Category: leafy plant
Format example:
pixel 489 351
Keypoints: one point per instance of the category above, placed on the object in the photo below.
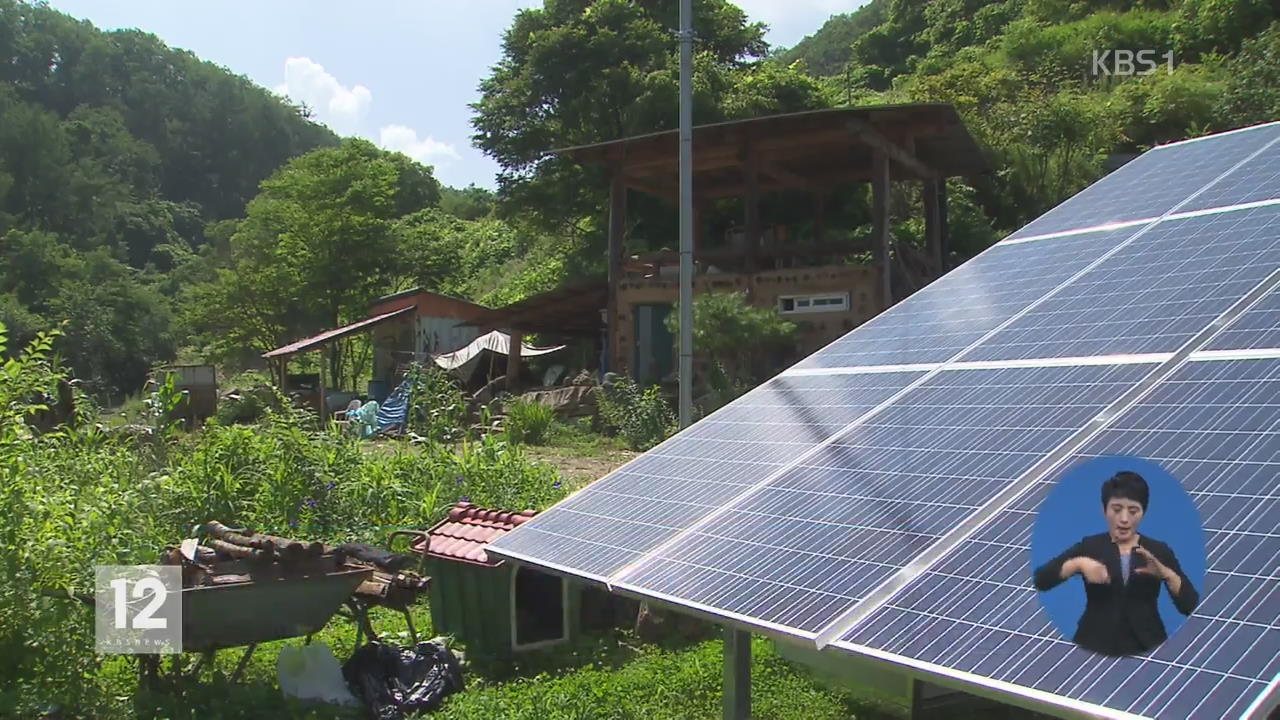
pixel 528 421
pixel 642 417
pixel 738 338
pixel 438 411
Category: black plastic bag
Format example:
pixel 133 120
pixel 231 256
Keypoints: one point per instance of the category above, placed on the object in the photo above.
pixel 393 681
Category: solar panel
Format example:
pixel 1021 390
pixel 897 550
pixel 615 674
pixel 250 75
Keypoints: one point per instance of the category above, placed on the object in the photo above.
pixel 1257 180
pixel 1258 327
pixel 837 492
pixel 1153 294
pixel 618 518
pixel 956 310
pixel 816 538
pixel 1153 183
pixel 1213 425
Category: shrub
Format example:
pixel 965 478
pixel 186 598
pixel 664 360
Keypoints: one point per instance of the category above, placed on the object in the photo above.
pixel 439 409
pixel 528 422
pixel 642 417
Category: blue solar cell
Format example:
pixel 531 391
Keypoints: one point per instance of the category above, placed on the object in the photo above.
pixel 1153 295
pixel 1255 181
pixel 616 519
pixel 1258 327
pixel 816 538
pixel 1214 425
pixel 955 311
pixel 1153 183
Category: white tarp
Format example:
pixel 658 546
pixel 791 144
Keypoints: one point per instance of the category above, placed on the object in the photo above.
pixel 495 342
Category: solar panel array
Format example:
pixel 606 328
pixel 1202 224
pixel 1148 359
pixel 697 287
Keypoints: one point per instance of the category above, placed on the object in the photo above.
pixel 880 494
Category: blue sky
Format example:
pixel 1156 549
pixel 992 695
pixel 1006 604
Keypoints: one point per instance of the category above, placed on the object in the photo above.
pixel 399 72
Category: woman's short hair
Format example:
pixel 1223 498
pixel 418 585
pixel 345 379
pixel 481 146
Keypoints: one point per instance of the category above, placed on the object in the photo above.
pixel 1128 486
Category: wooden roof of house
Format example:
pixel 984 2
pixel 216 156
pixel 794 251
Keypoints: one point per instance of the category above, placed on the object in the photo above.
pixel 806 151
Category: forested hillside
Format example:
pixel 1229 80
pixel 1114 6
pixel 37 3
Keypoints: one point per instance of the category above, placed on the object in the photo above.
pixel 165 207
pixel 1022 74
pixel 116 152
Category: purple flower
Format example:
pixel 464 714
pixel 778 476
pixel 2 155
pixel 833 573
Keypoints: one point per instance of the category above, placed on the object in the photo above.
pixel 330 485
pixel 556 485
pixel 464 499
pixel 459 479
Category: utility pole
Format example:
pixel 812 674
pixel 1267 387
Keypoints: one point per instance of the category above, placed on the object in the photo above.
pixel 686 213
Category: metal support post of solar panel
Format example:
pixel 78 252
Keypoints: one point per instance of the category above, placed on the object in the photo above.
pixel 877 498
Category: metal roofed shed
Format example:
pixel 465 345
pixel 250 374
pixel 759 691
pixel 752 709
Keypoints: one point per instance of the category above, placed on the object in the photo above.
pixel 876 500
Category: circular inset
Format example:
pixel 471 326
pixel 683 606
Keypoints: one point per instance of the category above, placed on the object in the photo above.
pixel 1117 555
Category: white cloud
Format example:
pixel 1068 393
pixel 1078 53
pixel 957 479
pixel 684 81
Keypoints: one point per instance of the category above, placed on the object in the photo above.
pixel 425 150
pixel 340 107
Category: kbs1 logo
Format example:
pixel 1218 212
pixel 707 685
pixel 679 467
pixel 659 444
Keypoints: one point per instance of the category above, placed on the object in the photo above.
pixel 1125 63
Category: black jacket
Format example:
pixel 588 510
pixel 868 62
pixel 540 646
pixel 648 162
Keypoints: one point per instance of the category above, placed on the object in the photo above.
pixel 1120 618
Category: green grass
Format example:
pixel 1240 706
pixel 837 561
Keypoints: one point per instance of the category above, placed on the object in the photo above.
pixel 615 678
pixel 577 436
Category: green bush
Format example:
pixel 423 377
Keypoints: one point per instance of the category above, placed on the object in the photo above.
pixel 642 417
pixel 528 422
pixel 70 500
pixel 248 406
pixel 439 409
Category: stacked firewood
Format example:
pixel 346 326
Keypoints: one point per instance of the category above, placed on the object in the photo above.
pixel 225 555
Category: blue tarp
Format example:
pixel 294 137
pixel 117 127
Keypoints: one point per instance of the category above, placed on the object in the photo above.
pixel 394 413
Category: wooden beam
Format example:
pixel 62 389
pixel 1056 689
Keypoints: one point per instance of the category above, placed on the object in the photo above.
pixel 820 216
pixel 513 359
pixel 751 208
pixel 944 226
pixel 876 140
pixel 880 227
pixel 933 225
pixel 617 246
pixel 652 187
pixel 786 177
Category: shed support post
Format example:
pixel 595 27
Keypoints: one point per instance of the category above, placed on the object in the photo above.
pixel 737 674
pixel 322 404
pixel 932 196
pixel 513 359
pixel 751 202
pixel 880 226
pixel 617 228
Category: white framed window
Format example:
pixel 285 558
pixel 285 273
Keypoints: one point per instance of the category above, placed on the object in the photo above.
pixel 826 302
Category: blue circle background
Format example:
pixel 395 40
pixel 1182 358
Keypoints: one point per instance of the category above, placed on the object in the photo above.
pixel 1073 509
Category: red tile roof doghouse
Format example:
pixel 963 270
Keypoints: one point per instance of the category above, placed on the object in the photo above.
pixel 464 533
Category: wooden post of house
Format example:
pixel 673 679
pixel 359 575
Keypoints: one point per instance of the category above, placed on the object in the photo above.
pixel 944 230
pixel 321 388
pixel 751 209
pixel 880 224
pixel 819 217
pixel 513 358
pixel 933 223
pixel 617 245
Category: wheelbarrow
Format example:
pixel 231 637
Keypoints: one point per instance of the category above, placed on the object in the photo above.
pixel 389 587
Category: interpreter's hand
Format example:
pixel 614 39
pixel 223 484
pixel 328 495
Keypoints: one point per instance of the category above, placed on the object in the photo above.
pixel 1153 567
pixel 1092 571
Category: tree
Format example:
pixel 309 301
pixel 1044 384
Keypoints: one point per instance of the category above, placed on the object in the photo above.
pixel 738 338
pixel 584 71
pixel 316 245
